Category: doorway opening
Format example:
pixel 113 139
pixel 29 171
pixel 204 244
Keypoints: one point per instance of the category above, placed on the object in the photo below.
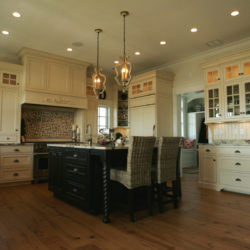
pixel 192 119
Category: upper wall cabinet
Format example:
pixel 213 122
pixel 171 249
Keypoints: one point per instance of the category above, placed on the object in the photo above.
pixel 62 77
pixel 213 75
pixel 227 89
pixel 236 70
pixel 151 104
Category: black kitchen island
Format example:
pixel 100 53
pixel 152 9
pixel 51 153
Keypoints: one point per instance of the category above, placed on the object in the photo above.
pixel 80 174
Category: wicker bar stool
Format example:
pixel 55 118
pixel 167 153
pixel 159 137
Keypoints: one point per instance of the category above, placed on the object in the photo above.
pixel 167 169
pixel 138 173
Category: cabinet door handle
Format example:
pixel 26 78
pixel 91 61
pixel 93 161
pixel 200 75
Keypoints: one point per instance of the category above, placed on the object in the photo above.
pixel 237 164
pixel 75 190
pixel 75 155
pixel 75 170
pixel 237 179
pixel 207 150
pixel 16 161
pixel 16 150
pixel 237 151
pixel 214 160
pixel 7 138
pixel 15 174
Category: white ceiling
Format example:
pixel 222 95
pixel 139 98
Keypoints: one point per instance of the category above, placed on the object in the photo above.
pixel 53 25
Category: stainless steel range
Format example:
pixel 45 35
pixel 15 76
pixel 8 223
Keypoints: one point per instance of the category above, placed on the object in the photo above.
pixel 41 156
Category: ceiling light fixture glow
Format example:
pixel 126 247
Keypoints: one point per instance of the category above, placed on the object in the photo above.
pixel 137 53
pixel 5 32
pixel 69 49
pixel 235 13
pixel 163 42
pixel 16 14
pixel 194 29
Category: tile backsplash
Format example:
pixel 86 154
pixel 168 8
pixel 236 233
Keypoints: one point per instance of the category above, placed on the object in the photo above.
pixel 44 123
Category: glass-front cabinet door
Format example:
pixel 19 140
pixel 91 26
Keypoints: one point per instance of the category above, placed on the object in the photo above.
pixel 233 101
pixel 213 103
pixel 246 96
pixel 246 68
pixel 212 75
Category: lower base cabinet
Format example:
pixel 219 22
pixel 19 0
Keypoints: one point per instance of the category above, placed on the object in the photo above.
pixel 225 167
pixel 76 177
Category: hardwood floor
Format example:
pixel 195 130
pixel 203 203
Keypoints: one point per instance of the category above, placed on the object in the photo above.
pixel 31 218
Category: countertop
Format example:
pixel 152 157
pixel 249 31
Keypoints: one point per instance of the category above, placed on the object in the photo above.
pixel 85 146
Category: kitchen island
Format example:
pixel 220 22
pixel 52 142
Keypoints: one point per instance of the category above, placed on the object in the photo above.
pixel 80 174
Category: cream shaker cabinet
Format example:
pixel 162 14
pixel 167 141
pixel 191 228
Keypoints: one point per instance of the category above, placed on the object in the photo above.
pixel 151 104
pixel 9 103
pixel 16 164
pixel 207 166
pixel 9 116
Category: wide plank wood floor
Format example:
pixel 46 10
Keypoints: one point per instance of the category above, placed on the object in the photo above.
pixel 31 218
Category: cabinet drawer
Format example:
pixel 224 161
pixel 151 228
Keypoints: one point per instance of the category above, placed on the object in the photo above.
pixel 239 164
pixel 234 151
pixel 76 190
pixel 77 155
pixel 16 161
pixel 18 175
pixel 18 149
pixel 8 138
pixel 235 179
pixel 207 149
pixel 80 172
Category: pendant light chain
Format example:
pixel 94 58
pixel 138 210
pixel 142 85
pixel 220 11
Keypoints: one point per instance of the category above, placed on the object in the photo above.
pixel 98 50
pixel 124 40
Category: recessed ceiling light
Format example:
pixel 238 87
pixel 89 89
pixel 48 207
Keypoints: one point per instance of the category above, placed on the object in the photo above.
pixel 116 62
pixel 137 53
pixel 69 49
pixel 194 29
pixel 16 14
pixel 5 32
pixel 235 13
pixel 163 42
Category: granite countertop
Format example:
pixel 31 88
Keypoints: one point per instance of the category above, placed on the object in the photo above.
pixel 85 146
pixel 228 143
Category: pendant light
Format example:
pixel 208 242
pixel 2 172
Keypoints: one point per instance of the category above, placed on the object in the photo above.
pixel 124 67
pixel 99 79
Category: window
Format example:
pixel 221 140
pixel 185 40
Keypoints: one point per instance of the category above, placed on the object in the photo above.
pixel 103 118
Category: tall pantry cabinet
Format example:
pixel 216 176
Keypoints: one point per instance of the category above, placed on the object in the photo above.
pixel 10 76
pixel 151 104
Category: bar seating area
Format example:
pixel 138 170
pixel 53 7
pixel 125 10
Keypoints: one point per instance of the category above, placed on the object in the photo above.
pixel 151 168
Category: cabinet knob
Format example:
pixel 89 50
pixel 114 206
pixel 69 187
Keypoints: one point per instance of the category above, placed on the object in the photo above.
pixel 237 151
pixel 15 174
pixel 214 160
pixel 75 155
pixel 16 129
pixel 207 150
pixel 75 190
pixel 218 79
pixel 16 150
pixel 75 170
pixel 237 179
pixel 7 138
pixel 16 161
pixel 237 164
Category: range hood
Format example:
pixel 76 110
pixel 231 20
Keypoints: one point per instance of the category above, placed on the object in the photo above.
pixel 53 80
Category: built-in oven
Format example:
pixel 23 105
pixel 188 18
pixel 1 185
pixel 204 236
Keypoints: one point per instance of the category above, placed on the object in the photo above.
pixel 41 162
